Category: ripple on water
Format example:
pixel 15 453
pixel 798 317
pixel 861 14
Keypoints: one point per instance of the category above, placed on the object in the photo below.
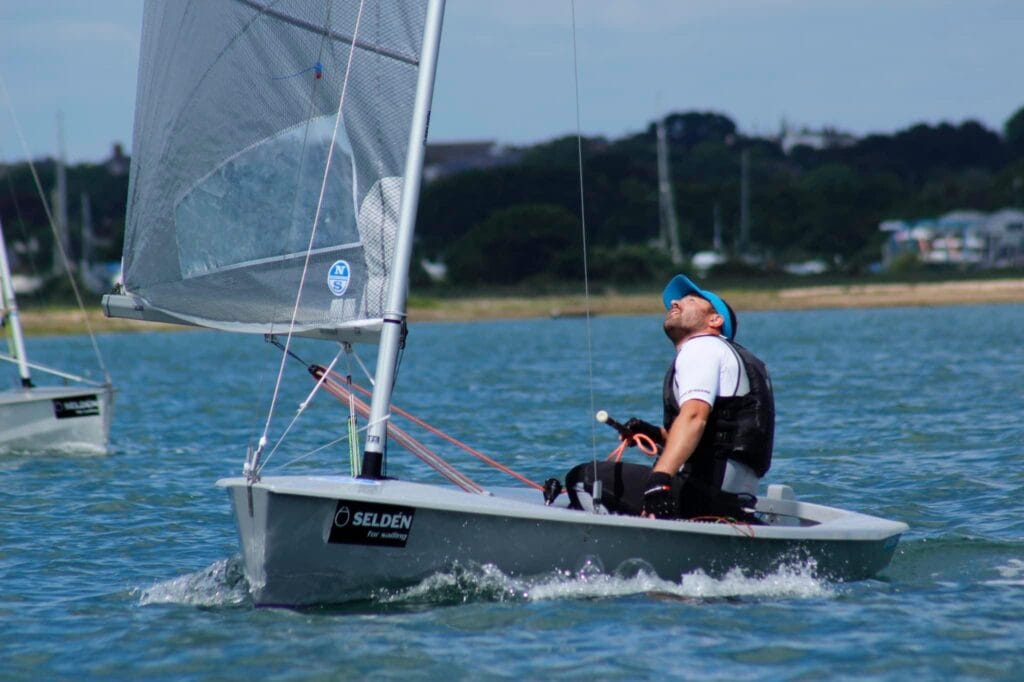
pixel 888 412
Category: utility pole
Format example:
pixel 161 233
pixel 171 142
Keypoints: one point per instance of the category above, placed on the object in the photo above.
pixel 669 233
pixel 60 204
pixel 716 243
pixel 744 245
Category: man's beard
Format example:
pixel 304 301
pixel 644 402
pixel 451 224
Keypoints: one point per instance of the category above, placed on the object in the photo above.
pixel 674 332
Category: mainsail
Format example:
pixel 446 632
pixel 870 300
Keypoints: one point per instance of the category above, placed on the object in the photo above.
pixel 230 173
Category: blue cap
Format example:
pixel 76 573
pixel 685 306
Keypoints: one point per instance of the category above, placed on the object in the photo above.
pixel 681 285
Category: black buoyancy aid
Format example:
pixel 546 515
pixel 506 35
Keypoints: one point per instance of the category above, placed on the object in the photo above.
pixel 741 428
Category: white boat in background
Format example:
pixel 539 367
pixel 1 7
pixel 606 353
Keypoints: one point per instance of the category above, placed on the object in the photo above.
pixel 276 190
pixel 703 261
pixel 69 417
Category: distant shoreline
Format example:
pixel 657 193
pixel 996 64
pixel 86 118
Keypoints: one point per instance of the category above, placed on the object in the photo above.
pixel 70 321
pixel 793 298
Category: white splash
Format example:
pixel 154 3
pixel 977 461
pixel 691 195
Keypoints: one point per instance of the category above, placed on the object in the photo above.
pixel 220 584
pixel 787 581
pixel 223 584
pixel 461 584
pixel 487 583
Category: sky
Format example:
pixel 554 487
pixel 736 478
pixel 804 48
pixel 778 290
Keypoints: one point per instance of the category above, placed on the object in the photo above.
pixel 508 70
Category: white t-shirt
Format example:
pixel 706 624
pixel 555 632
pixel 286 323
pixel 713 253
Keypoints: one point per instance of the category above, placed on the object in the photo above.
pixel 707 368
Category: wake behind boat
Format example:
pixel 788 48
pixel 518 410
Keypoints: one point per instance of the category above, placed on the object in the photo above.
pixel 280 195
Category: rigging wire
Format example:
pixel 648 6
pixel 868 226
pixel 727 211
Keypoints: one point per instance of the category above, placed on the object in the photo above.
pixel 299 170
pixel 312 235
pixel 583 225
pixel 344 389
pixel 56 236
pixel 351 433
pixel 441 434
pixel 291 219
pixel 402 437
pixel 336 388
pixel 302 408
pixel 314 451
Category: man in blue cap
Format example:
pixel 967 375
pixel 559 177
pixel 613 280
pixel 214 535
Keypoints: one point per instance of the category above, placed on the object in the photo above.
pixel 718 427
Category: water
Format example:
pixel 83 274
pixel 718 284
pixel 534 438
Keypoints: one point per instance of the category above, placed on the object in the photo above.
pixel 126 566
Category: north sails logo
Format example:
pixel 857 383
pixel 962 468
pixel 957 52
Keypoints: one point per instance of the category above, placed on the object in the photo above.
pixel 338 277
pixel 371 524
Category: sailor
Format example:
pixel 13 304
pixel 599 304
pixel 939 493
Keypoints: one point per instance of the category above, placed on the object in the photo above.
pixel 718 428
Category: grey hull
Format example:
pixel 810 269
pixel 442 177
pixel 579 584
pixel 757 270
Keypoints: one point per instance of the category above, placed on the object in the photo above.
pixel 323 540
pixel 55 418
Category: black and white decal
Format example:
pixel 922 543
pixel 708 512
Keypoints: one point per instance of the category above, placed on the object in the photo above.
pixel 365 523
pixel 79 406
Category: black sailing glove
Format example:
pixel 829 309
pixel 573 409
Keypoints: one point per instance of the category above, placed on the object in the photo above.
pixel 658 497
pixel 639 426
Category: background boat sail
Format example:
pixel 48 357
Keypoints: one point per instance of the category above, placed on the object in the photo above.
pixel 275 179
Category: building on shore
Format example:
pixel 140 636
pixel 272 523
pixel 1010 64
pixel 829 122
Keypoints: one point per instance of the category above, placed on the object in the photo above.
pixel 960 238
pixel 445 158
pixel 791 136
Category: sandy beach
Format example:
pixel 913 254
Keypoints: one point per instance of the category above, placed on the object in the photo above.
pixel 803 298
pixel 63 321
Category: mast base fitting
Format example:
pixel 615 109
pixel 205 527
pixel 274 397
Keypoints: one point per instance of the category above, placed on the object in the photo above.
pixel 372 466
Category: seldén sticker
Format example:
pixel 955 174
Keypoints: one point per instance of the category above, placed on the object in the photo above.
pixel 365 523
pixel 338 277
pixel 80 406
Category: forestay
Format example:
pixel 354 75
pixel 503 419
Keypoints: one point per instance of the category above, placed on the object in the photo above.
pixel 233 131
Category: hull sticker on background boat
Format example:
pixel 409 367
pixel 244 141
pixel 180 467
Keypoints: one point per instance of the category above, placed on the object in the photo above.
pixel 362 523
pixel 82 406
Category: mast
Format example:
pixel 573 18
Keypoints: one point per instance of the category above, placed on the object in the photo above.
pixel 744 244
pixel 666 199
pixel 716 243
pixel 85 254
pixel 394 314
pixel 15 341
pixel 61 202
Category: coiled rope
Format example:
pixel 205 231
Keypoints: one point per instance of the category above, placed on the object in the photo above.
pixel 643 443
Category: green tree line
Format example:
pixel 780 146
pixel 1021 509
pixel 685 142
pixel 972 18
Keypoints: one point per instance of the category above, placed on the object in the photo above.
pixel 520 223
pixel 808 203
pixel 99 188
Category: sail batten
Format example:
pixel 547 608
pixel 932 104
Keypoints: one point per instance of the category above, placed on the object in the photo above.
pixel 235 123
pixel 297 255
pixel 347 39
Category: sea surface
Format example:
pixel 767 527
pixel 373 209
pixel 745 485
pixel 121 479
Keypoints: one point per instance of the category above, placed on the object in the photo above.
pixel 126 565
